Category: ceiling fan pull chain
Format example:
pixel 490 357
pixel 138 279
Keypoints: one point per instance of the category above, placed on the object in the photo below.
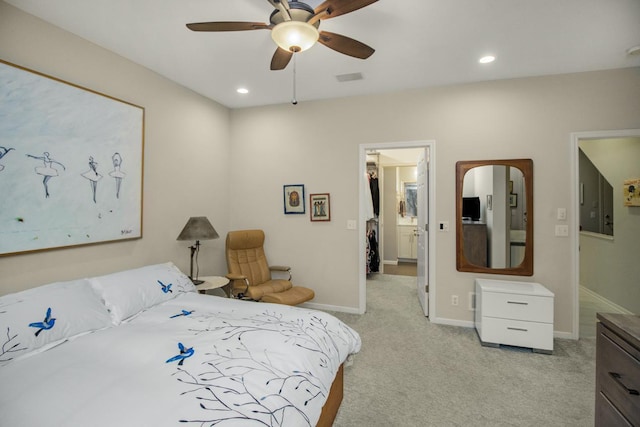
pixel 294 101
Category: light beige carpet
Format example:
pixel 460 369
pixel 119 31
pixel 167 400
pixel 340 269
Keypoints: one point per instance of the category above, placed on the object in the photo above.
pixel 411 372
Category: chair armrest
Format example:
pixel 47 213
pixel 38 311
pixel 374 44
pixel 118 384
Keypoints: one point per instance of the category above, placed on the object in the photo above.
pixel 233 277
pixel 284 268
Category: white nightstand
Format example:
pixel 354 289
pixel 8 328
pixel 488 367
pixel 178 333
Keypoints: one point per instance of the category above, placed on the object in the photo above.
pixel 214 282
pixel 514 313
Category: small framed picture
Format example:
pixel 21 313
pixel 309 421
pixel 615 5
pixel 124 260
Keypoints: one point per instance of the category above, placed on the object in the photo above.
pixel 631 192
pixel 293 199
pixel 513 200
pixel 320 207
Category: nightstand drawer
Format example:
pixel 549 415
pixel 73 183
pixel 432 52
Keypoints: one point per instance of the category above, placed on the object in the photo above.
pixel 518 307
pixel 618 375
pixel 517 333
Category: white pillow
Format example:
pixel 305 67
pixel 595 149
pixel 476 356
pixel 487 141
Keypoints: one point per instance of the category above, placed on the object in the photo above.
pixel 37 319
pixel 128 292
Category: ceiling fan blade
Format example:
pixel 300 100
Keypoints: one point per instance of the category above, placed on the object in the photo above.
pixel 345 45
pixel 340 7
pixel 228 26
pixel 280 59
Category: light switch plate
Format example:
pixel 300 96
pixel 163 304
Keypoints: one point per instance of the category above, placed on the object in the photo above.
pixel 351 224
pixel 562 214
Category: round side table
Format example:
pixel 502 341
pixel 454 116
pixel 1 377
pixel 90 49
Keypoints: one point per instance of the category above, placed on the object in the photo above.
pixel 214 282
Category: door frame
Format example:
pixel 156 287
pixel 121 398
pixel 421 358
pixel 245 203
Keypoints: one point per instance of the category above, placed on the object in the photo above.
pixel 576 137
pixel 362 225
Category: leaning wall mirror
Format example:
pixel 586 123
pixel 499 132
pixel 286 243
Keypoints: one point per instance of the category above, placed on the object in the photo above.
pixel 494 216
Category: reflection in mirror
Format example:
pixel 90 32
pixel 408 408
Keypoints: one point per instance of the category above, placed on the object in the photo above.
pixel 411 198
pixel 498 222
pixel 494 221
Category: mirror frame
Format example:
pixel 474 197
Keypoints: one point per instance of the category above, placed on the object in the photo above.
pixel 462 263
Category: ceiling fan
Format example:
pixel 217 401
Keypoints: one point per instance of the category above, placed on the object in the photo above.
pixel 294 28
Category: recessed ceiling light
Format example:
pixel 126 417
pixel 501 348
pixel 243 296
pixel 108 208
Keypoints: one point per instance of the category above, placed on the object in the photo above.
pixel 487 59
pixel 242 90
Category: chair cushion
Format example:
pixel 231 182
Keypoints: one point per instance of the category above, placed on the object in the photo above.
pixel 257 292
pixel 294 296
pixel 245 255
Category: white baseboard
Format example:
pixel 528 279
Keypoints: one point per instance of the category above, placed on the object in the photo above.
pixel 613 307
pixel 453 322
pixel 563 335
pixel 327 307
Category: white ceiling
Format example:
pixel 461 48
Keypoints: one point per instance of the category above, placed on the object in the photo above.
pixel 418 43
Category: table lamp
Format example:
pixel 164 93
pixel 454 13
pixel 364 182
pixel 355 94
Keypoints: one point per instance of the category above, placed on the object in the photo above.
pixel 197 228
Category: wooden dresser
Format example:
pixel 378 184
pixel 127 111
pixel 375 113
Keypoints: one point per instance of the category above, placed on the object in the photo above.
pixel 618 370
pixel 475 242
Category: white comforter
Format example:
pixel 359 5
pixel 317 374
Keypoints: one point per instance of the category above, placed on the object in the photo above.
pixel 194 360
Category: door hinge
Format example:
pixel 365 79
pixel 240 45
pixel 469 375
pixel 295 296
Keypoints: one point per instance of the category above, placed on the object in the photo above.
pixel 426 289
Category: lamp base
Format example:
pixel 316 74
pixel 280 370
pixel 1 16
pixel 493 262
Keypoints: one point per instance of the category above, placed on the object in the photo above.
pixel 196 281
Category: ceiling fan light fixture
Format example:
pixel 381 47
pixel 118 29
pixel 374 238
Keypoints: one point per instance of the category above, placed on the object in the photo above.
pixel 294 36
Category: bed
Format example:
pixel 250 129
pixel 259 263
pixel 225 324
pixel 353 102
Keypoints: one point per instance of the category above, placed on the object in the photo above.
pixel 142 347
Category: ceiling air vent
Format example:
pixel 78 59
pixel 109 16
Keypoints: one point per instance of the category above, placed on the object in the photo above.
pixel 349 77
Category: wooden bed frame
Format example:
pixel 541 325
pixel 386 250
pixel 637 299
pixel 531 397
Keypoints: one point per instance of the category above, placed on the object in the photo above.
pixel 330 408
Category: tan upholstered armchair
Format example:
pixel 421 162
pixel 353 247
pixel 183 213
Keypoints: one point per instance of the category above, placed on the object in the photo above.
pixel 250 273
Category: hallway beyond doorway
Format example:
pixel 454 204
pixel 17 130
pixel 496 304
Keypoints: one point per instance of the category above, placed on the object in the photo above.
pixel 402 269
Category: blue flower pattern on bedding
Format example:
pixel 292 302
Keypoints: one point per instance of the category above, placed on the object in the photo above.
pixel 165 288
pixel 185 353
pixel 184 313
pixel 45 325
pixel 220 382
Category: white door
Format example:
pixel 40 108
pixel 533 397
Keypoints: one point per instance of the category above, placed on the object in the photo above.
pixel 423 230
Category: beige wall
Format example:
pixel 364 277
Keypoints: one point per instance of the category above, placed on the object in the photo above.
pixel 186 156
pixel 191 169
pixel 316 144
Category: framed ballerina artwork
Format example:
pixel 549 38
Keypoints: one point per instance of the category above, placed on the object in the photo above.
pixel 70 164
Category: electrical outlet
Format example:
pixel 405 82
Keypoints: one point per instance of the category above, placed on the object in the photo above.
pixel 454 299
pixel 562 230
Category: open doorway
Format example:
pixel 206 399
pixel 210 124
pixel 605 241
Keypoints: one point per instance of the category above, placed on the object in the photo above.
pixel 405 179
pixel 398 208
pixel 605 242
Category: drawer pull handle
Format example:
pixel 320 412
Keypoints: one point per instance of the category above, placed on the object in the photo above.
pixel 518 329
pixel 618 378
pixel 517 302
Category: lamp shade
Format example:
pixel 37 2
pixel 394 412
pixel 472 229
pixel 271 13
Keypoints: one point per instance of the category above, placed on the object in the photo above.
pixel 294 36
pixel 198 228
